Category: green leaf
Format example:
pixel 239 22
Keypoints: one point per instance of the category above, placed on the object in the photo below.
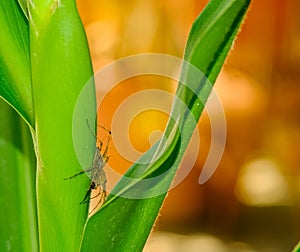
pixel 297 248
pixel 15 82
pixel 18 219
pixel 126 218
pixel 23 6
pixel 60 68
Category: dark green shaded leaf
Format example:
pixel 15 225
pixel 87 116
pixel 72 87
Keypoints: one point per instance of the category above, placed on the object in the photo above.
pixel 18 219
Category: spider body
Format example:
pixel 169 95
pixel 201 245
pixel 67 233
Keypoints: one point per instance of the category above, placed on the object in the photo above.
pixel 97 173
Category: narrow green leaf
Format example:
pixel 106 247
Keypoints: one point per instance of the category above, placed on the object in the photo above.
pixel 123 224
pixel 60 68
pixel 18 219
pixel 15 82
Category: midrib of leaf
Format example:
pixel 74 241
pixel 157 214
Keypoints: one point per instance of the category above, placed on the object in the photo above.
pixel 214 66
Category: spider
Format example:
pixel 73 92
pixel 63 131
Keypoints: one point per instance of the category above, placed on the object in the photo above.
pixel 98 176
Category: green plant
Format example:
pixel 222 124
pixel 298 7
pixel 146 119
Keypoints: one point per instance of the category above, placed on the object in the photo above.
pixel 45 63
pixel 297 248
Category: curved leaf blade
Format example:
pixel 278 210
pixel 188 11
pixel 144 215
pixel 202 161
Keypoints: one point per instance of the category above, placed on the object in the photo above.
pixel 15 80
pixel 124 224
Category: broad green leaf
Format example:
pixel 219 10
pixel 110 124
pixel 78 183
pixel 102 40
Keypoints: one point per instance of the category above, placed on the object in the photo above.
pixel 15 82
pixel 60 68
pixel 126 218
pixel 18 219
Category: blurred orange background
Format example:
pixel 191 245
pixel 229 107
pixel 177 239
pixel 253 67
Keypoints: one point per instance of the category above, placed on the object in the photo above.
pixel 251 203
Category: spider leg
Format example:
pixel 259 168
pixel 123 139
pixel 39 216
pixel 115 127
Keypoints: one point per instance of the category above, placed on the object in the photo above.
pixel 86 198
pixel 102 198
pixel 81 172
pixel 75 175
pixel 87 122
pixel 100 145
pixel 100 142
pixel 104 155
pixel 99 193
